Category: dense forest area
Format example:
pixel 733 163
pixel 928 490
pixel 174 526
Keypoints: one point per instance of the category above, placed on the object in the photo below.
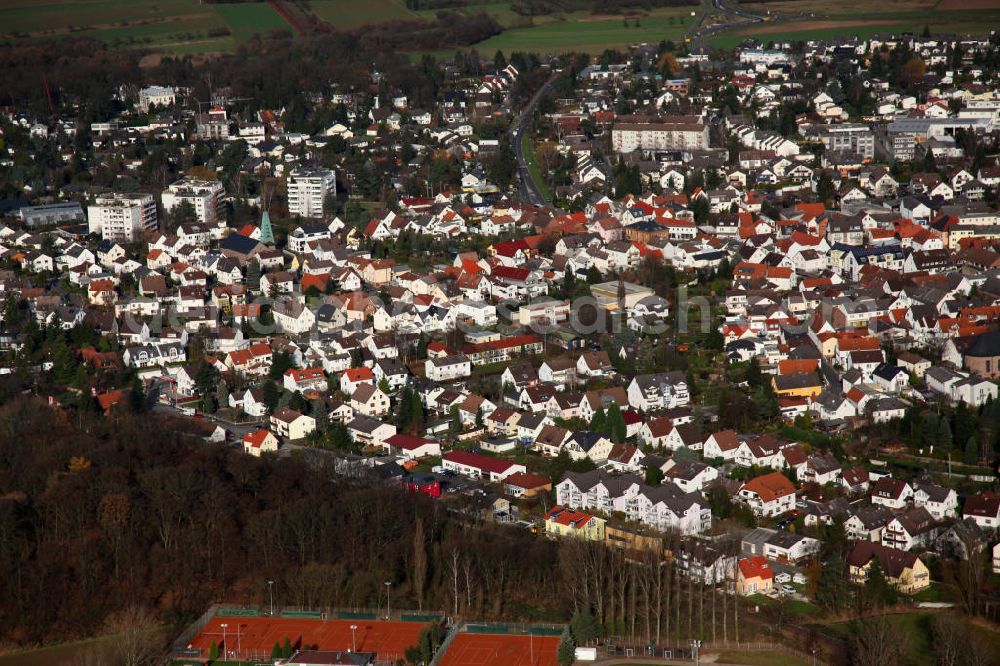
pixel 99 515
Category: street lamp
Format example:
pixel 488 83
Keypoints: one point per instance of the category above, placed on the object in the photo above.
pixel 354 646
pixel 695 645
pixel 224 625
pixel 388 586
pixel 270 595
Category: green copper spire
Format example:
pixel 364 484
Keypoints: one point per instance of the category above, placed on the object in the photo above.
pixel 266 234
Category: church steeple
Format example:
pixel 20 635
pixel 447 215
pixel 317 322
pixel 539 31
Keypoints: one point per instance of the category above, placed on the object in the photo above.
pixel 266 233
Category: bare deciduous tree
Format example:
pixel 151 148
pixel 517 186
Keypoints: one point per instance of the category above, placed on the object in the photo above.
pixel 877 642
pixel 137 638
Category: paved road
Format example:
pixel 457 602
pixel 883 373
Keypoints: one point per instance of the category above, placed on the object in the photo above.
pixel 700 35
pixel 527 188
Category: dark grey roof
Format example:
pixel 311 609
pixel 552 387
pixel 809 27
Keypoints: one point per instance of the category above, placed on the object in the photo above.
pixel 238 243
pixel 986 345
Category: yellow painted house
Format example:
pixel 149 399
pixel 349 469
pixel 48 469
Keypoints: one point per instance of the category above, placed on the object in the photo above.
pixel 798 385
pixel 562 522
pixel 902 569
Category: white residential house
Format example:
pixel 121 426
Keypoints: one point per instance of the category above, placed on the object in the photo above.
pixel 769 495
pixel 891 493
pixel 259 442
pixel 939 501
pixel 290 424
pixel 448 368
pixel 665 390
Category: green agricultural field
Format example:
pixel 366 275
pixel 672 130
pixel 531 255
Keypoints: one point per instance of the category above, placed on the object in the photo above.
pixel 591 35
pixel 174 26
pixel 817 20
pixel 47 17
pixel 354 13
pixel 153 34
pixel 246 20
pixel 502 13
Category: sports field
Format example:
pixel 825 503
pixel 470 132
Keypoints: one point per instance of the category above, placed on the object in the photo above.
pixel 254 637
pixel 501 650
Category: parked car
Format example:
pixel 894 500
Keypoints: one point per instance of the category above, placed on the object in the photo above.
pixel 787 589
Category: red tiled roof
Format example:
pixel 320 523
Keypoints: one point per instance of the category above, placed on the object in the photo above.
pixel 256 438
pixel 407 442
pixel 756 567
pixel 771 486
pixel 359 374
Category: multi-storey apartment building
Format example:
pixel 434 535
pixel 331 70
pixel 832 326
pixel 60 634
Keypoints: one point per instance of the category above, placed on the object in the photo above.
pixel 122 217
pixel 650 133
pixel 308 189
pixel 854 137
pixel 205 197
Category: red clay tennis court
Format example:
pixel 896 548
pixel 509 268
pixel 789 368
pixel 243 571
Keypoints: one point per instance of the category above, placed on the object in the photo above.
pixel 501 650
pixel 254 637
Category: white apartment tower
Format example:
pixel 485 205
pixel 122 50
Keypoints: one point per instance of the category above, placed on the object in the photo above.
pixel 307 189
pixel 205 196
pixel 122 217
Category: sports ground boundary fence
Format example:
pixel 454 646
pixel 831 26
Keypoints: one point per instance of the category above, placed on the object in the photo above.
pixel 684 651
pixel 180 649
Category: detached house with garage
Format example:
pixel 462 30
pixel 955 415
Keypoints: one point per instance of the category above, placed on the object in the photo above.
pixel 753 575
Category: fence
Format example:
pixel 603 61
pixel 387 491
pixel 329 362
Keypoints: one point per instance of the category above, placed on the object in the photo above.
pixel 180 647
pixel 513 628
pixel 685 651
pixel 180 650
pixel 445 644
